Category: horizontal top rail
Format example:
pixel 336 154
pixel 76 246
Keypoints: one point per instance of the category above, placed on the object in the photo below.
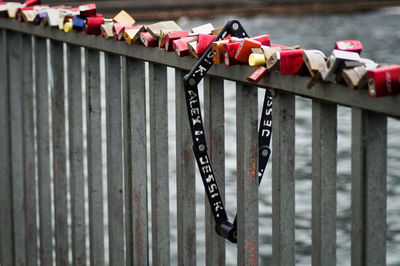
pixel 330 92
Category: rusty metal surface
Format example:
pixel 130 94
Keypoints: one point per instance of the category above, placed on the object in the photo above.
pixel 136 91
pixel 214 118
pixel 247 174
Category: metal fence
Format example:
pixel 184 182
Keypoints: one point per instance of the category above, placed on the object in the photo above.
pixel 27 175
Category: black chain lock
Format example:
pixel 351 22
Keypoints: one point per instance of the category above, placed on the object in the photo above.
pixel 223 227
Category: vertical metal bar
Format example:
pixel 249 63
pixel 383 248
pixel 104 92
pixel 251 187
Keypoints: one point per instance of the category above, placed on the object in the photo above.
pixel 324 146
pixel 283 245
pixel 6 236
pixel 14 46
pixel 137 108
pixel 126 113
pixel 94 157
pixel 247 173
pixel 159 163
pixel 185 179
pixel 77 184
pixel 29 152
pixel 59 150
pixel 215 132
pixel 368 191
pixel 114 159
pixel 43 152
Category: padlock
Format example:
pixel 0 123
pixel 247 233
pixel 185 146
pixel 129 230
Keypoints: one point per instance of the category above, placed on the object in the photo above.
pixel 174 36
pixel 256 59
pixel 78 23
pixel 271 56
pixel 217 51
pixel 192 46
pixel 263 39
pixel 68 26
pixel 337 57
pixel 181 45
pixel 349 46
pixel 314 61
pixel 244 50
pixel 229 51
pixel 53 17
pixel 31 2
pixel 155 29
pixel 203 42
pixel 88 10
pixel 39 17
pixel 117 30
pixel 124 18
pixel 147 39
pixel 291 61
pixel 29 15
pixel 356 77
pixel 203 29
pixel 93 25
pixel 384 81
pixel 257 74
pixel 107 31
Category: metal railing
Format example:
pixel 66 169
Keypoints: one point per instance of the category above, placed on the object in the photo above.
pixel 27 175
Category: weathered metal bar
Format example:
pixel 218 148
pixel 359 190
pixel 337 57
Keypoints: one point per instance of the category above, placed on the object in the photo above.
pixel 127 146
pixel 283 114
pixel 29 152
pixel 247 174
pixel 43 152
pixel 14 45
pixel 214 117
pixel 137 115
pixel 77 184
pixel 59 150
pixel 94 157
pixel 185 178
pixel 114 159
pixel 334 93
pixel 368 189
pixel 6 221
pixel 159 163
pixel 324 146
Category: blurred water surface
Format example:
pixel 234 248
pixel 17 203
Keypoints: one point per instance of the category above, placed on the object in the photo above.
pixel 379 32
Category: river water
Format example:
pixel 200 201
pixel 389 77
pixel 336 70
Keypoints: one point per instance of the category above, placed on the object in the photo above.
pixel 379 32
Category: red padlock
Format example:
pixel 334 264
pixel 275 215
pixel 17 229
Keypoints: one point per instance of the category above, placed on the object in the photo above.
pixel 257 74
pixel 291 61
pixel 263 39
pixel 349 46
pixel 117 30
pixel 229 51
pixel 244 50
pixel 88 10
pixel 32 2
pixel 174 36
pixel 181 46
pixel 93 25
pixel 148 39
pixel 384 81
pixel 203 42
